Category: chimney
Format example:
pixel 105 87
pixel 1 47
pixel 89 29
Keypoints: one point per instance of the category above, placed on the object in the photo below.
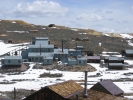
pixel 77 96
pixel 62 45
pixel 14 93
pixel 85 85
pixel 76 50
pixel 40 49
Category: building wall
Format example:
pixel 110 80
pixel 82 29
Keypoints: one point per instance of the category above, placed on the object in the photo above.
pixel 25 53
pixel 74 53
pixel 72 62
pixel 62 57
pixel 36 59
pixel 47 61
pixel 45 94
pixel 12 61
pixel 82 62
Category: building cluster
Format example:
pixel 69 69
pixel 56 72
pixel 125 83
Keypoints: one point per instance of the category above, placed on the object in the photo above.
pixel 41 51
pixel 70 90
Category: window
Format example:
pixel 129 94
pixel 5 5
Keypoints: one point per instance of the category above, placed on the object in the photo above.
pixel 19 61
pixel 9 61
pixel 48 49
pixel 79 62
pixel 48 61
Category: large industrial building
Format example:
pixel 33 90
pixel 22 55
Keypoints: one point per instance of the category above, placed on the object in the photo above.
pixel 40 50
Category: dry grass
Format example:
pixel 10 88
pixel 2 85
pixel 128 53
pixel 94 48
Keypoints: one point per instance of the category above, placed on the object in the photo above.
pixel 17 21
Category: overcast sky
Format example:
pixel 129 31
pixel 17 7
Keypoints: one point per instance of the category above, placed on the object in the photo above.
pixel 101 15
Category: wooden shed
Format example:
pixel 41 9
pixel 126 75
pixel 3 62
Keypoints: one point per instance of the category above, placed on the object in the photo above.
pixel 119 66
pixel 108 87
pixel 60 91
pixel 93 59
pixel 33 31
pixel 113 60
pixel 129 53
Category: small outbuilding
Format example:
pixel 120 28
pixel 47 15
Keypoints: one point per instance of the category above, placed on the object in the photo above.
pixel 129 53
pixel 12 61
pixel 108 87
pixel 93 59
pixel 119 66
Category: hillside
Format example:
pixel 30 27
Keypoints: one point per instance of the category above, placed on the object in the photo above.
pixel 18 31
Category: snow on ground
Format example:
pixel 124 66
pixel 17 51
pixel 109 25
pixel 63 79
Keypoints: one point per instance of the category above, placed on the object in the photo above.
pixel 30 78
pixel 128 36
pixel 8 47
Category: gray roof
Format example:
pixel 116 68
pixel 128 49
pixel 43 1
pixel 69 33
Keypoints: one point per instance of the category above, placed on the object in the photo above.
pixel 111 87
pixel 47 57
pixel 116 64
pixel 93 57
pixel 41 42
pixel 42 38
pixel 82 58
pixel 72 59
pixel 59 51
pixel 42 46
pixel 13 57
pixel 129 51
pixel 79 46
pixel 42 54
pixel 113 58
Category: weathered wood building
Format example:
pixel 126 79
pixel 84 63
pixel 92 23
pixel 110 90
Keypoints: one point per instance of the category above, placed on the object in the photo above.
pixel 70 90
pixel 60 91
pixel 111 59
pixel 93 59
pixel 118 66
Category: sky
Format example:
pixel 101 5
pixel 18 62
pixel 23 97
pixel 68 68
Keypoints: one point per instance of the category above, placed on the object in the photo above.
pixel 101 15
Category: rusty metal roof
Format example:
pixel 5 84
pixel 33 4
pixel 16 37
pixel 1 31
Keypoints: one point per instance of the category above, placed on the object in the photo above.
pixel 111 87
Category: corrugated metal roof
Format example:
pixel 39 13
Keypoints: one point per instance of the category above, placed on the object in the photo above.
pixel 116 64
pixel 93 57
pixel 13 57
pixel 42 43
pixel 79 46
pixel 42 46
pixel 111 87
pixel 5 99
pixel 42 38
pixel 42 54
pixel 129 51
pixel 59 51
pixel 82 58
pixel 113 58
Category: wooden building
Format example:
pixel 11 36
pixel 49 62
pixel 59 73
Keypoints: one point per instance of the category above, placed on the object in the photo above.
pixel 129 53
pixel 70 90
pixel 33 31
pixel 60 91
pixel 93 59
pixel 108 87
pixel 113 60
pixel 118 66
